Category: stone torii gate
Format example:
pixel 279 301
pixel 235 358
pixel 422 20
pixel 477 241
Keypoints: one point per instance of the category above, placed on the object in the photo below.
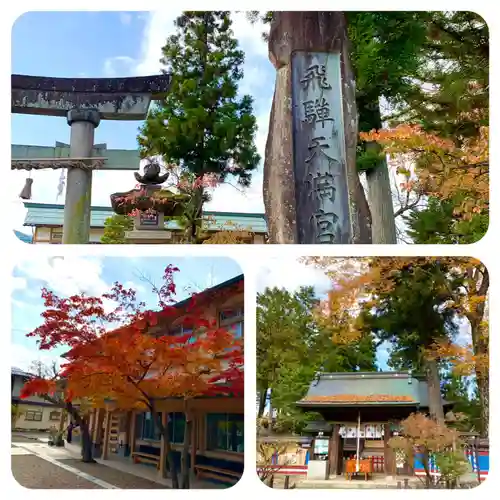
pixel 84 102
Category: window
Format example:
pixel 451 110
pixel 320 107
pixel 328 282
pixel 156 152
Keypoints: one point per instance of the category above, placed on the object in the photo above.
pixel 176 426
pixel 225 432
pixel 232 319
pixel 237 329
pixel 147 428
pixel 181 330
pixel 54 415
pixel 33 416
pixel 56 235
pixel 229 315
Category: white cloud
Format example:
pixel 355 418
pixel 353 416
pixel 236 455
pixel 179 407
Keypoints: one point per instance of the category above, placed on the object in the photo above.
pixel 125 18
pixel 18 283
pixel 22 356
pixel 289 273
pixel 118 66
pixel 66 275
pixel 157 27
pixel 135 286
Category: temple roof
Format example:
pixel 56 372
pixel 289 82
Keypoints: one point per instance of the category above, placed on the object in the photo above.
pixel 366 389
pixel 47 214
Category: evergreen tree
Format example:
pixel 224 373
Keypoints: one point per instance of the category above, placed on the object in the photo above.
pixel 292 347
pixel 202 125
pixel 410 315
pixel 436 224
pixel 115 228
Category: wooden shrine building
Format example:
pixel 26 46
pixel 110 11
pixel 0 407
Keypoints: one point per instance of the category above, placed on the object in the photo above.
pixel 361 411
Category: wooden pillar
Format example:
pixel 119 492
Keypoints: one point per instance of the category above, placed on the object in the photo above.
pixel 193 441
pixel 163 448
pixel 132 430
pixel 388 454
pixel 334 450
pixel 92 419
pixel 99 420
pixel 107 427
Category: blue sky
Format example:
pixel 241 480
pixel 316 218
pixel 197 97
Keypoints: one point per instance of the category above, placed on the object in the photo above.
pixel 94 276
pixel 111 44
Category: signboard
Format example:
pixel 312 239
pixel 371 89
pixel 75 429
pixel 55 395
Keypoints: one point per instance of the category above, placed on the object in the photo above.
pixel 148 218
pixel 322 200
pixel 321 446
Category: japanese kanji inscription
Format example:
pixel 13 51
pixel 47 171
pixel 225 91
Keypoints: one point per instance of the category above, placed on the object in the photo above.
pixel 319 149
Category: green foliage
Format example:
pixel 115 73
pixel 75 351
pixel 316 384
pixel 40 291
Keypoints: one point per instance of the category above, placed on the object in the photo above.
pixel 392 314
pixel 202 125
pixel 458 69
pixel 436 224
pixel 291 348
pixel 466 404
pixel 452 464
pixel 15 414
pixel 115 228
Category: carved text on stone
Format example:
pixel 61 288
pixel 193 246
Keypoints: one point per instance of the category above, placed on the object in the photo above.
pixel 326 224
pixel 317 111
pixel 315 75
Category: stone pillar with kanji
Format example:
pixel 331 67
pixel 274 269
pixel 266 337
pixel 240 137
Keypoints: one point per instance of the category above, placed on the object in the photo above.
pixel 312 191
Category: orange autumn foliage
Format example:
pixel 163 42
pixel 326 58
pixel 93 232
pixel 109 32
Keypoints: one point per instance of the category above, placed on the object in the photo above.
pixel 442 169
pixel 356 280
pixel 138 363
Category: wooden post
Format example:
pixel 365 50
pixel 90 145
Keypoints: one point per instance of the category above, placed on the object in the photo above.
pixel 163 447
pixel 92 422
pixel 334 450
pixel 388 455
pixel 193 441
pixel 107 427
pixel 132 432
pixel 312 191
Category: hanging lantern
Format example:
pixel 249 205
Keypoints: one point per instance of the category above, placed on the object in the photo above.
pixel 25 194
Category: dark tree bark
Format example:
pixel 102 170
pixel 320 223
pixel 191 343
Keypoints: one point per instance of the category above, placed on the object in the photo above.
pixel 434 390
pixel 185 452
pixel 319 32
pixel 168 451
pixel 262 403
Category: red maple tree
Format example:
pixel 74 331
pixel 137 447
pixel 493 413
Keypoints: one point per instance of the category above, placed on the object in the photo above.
pixel 137 364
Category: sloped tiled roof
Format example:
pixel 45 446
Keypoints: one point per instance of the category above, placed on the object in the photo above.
pixel 45 214
pixel 366 388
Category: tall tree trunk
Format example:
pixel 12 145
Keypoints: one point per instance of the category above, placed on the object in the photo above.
pixel 381 207
pixel 86 443
pixel 480 344
pixel 262 402
pixel 377 179
pixel 185 472
pixel 285 181
pixel 434 390
pixel 168 451
pixel 85 433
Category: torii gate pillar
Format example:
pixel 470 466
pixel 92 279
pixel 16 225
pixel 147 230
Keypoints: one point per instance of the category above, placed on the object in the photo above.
pixel 76 226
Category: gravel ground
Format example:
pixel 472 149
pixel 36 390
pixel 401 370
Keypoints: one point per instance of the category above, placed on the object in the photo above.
pixel 34 472
pixel 115 477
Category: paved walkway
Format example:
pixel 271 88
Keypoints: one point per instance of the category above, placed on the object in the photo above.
pixel 37 465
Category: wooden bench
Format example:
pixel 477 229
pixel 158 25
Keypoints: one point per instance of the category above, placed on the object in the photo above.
pixel 225 475
pixel 139 456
